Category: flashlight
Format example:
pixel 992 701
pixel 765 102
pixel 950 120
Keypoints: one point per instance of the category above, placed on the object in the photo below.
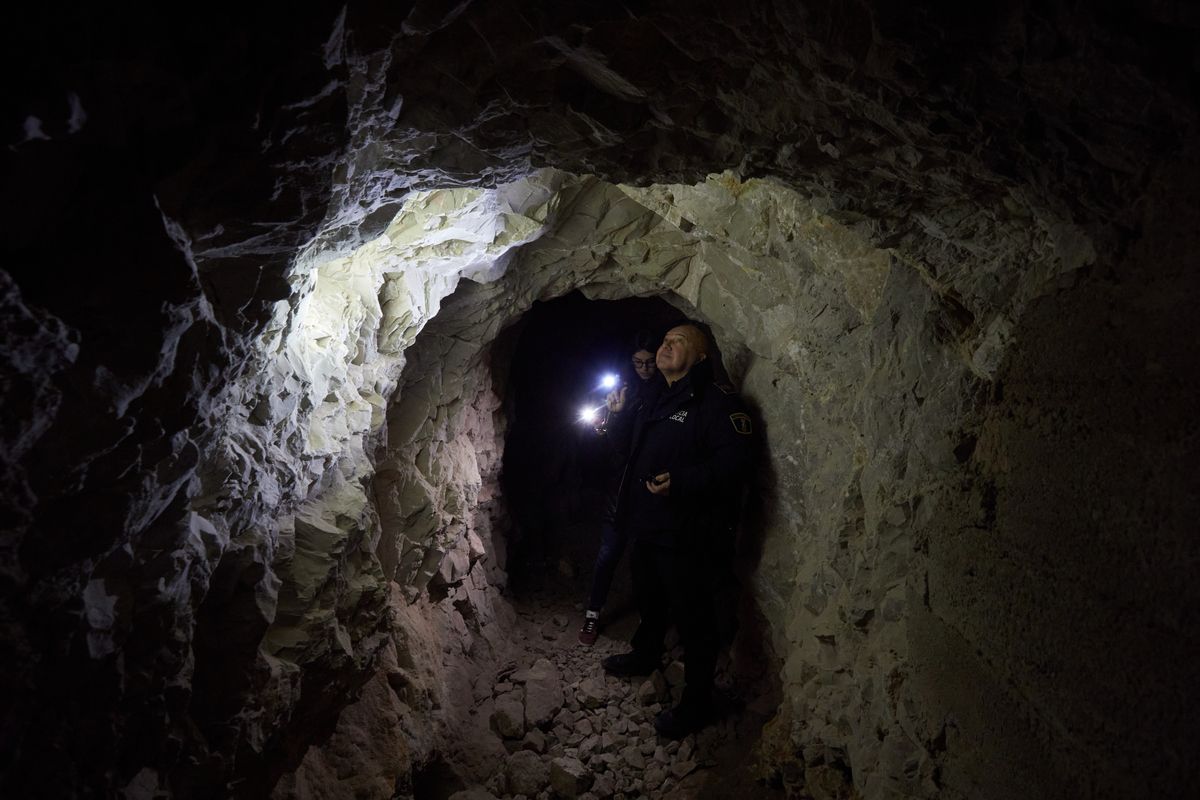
pixel 608 382
pixel 588 414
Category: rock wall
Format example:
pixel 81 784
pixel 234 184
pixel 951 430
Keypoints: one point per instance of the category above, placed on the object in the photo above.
pixel 1055 565
pixel 217 261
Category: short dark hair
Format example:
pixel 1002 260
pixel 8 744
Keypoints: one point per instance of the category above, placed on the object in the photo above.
pixel 644 340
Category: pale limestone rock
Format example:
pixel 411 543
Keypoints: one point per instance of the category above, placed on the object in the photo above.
pixel 543 693
pixel 591 692
pixel 866 296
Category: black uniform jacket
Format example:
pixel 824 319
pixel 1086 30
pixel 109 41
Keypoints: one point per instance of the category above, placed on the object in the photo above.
pixel 699 432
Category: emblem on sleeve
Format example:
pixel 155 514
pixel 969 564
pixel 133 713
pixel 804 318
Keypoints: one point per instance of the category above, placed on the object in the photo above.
pixel 741 423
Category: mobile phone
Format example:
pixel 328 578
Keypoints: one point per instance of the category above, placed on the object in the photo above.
pixel 650 479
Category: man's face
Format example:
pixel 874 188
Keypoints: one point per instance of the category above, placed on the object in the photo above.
pixel 681 349
pixel 643 364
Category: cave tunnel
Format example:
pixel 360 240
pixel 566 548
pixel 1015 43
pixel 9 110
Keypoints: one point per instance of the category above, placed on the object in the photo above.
pixel 555 467
pixel 283 295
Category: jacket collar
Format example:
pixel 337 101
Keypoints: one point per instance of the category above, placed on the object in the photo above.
pixel 692 385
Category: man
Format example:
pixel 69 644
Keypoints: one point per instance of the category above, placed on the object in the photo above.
pixel 689 451
pixel 613 538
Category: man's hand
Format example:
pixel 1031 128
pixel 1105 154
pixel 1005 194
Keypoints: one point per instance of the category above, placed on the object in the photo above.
pixel 661 485
pixel 616 400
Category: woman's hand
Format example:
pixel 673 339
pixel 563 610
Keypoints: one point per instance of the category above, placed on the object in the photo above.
pixel 616 400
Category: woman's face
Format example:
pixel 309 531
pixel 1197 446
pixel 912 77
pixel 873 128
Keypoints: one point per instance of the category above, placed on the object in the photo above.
pixel 643 364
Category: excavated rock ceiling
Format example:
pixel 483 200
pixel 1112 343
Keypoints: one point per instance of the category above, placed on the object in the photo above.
pixel 237 425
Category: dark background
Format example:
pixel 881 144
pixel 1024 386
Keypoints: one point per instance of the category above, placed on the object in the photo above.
pixel 555 466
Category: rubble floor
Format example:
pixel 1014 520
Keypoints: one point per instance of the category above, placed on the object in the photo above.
pixel 601 742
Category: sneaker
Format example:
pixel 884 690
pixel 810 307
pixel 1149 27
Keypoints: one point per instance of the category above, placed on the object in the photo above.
pixel 626 665
pixel 589 631
pixel 678 722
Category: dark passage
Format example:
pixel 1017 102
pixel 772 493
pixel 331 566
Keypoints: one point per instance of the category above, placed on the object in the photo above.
pixel 555 467
pixel 557 475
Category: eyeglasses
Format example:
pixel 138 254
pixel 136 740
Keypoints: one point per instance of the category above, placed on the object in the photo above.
pixel 640 364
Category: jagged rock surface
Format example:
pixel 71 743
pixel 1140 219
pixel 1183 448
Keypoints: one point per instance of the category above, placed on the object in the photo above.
pixel 599 744
pixel 217 485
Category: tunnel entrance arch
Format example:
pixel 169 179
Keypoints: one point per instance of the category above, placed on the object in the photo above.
pixel 799 305
pixel 458 398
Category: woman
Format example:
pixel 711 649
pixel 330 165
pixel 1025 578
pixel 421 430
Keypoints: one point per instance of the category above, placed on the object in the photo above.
pixel 612 543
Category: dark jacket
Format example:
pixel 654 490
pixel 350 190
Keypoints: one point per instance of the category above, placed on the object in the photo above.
pixel 698 431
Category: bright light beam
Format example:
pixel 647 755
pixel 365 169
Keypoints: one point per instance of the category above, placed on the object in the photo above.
pixel 609 381
pixel 588 414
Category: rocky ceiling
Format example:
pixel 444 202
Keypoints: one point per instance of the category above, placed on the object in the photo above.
pixel 246 411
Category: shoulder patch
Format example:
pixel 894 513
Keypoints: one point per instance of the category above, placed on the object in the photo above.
pixel 741 423
pixel 725 388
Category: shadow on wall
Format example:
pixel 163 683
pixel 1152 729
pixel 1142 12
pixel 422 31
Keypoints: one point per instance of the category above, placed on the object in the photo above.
pixel 752 651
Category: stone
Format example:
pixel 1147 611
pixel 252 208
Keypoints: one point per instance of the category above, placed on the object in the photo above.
pixel 604 786
pixel 267 393
pixel 526 773
pixel 654 689
pixel 634 757
pixel 654 777
pixel 534 740
pixel 508 717
pixel 544 695
pixel 569 777
pixel 592 693
pixel 453 568
pixel 610 742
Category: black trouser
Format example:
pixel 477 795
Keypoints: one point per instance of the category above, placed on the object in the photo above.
pixel 612 545
pixel 675 584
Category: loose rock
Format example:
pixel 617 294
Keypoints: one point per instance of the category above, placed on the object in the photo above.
pixel 527 773
pixel 569 777
pixel 508 717
pixel 543 693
